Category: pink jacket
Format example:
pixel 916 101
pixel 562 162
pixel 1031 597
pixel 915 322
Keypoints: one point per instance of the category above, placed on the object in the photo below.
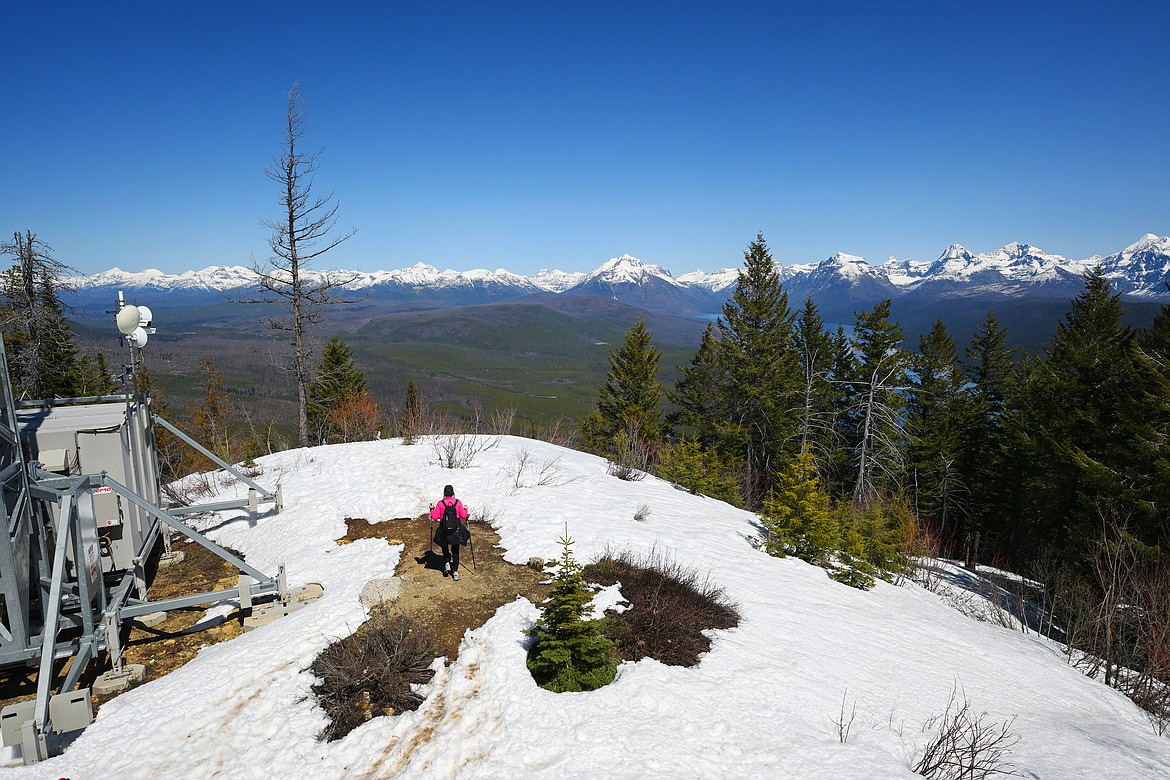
pixel 441 507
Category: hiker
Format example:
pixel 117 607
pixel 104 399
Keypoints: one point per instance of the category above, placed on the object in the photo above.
pixel 450 533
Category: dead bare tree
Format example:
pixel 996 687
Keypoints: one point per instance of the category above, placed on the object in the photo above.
pixel 300 235
pixel 41 353
pixel 878 449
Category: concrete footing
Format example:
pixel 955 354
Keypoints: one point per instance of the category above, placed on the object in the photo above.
pixel 115 682
pixel 263 614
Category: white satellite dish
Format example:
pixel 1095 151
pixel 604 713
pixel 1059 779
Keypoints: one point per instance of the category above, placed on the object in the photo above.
pixel 129 318
pixel 146 315
pixel 138 337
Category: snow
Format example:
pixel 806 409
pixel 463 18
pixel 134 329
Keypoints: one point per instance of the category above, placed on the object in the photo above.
pixel 764 702
pixel 627 270
pixel 556 281
pixel 714 281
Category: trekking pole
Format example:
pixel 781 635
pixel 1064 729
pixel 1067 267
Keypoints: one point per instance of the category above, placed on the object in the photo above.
pixel 427 530
pixel 470 541
pixel 471 544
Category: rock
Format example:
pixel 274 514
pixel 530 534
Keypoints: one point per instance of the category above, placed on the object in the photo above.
pixel 380 591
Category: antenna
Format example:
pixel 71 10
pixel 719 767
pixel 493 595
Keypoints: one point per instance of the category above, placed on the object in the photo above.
pixel 134 323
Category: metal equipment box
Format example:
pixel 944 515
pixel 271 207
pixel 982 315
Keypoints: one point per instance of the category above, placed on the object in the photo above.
pixel 117 438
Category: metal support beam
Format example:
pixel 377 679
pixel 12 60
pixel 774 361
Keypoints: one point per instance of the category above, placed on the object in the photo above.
pixel 66 528
pixel 179 526
pixel 267 494
pixel 135 609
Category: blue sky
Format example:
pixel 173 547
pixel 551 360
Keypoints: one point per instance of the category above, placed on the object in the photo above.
pixel 546 134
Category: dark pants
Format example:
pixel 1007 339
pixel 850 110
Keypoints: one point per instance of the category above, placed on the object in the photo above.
pixel 452 556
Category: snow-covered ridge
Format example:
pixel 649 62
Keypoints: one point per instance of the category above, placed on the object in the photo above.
pixel 1142 269
pixel 767 700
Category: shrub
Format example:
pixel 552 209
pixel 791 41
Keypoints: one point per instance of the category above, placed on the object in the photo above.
pixel 797 518
pixel 872 540
pixel 686 464
pixel 459 450
pixel 371 672
pixel 569 653
pixel 966 745
pixel 670 608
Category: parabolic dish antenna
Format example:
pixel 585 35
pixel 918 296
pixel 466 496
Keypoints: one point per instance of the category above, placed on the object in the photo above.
pixel 129 318
pixel 138 337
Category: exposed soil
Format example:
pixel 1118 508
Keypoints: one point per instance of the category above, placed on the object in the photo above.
pixel 447 608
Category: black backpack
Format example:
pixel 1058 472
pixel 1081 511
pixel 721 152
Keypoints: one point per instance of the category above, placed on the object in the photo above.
pixel 450 526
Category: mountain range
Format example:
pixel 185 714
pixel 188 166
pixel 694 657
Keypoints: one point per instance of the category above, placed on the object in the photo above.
pixel 1140 270
pixel 1025 286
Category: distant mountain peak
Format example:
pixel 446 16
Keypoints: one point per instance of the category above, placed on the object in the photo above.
pixel 1148 241
pixel 956 252
pixel 627 269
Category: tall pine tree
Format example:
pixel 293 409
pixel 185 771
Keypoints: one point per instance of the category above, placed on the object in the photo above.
pixel 991 458
pixel 1089 427
pixel 696 393
pixel 628 404
pixel 820 396
pixel 759 409
pixel 936 424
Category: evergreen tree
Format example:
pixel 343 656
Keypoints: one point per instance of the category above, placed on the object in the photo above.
pixel 697 392
pixel 936 423
pixel 411 418
pixel 820 396
pixel 628 402
pixel 569 652
pixel 42 356
pixel 876 401
pixel 872 539
pixel 991 457
pixel 94 376
pixel 759 408
pixel 336 381
pixel 797 517
pixel 838 465
pixel 1090 432
pixel 1155 361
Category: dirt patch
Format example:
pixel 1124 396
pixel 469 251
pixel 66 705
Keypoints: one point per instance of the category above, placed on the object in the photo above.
pixel 446 607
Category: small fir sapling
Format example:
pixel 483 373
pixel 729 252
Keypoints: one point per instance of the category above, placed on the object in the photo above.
pixel 569 653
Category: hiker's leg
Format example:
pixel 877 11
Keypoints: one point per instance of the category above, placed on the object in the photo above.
pixel 455 557
pixel 446 552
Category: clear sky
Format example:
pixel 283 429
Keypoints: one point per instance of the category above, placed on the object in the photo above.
pixel 558 135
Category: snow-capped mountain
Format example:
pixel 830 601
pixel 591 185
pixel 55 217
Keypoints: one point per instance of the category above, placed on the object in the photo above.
pixel 628 280
pixel 1015 270
pixel 1143 266
pixel 627 270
